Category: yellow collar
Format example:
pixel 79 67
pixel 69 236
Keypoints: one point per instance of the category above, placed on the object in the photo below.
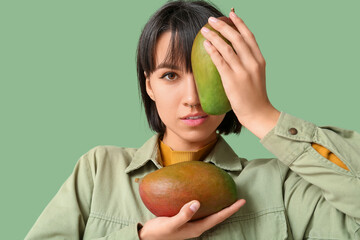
pixel 169 156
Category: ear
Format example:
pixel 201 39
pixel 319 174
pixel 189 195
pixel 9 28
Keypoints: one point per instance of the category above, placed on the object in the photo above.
pixel 148 88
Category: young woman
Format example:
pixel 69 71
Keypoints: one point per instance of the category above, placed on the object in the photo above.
pixel 311 190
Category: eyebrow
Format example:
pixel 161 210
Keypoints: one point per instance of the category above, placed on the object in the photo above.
pixel 167 65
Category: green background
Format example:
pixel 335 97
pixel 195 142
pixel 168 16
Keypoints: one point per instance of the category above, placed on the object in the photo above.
pixel 68 83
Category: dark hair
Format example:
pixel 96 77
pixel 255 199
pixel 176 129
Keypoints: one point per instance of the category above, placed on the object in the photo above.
pixel 183 19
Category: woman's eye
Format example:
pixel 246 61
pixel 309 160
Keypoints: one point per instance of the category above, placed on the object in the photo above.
pixel 171 76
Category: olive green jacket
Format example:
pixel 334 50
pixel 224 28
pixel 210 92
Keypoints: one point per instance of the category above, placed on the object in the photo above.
pixel 300 195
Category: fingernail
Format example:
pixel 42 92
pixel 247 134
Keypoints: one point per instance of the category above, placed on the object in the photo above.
pixel 205 30
pixel 233 14
pixel 212 19
pixel 207 43
pixel 194 206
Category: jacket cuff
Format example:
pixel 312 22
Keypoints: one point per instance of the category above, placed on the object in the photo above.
pixel 289 138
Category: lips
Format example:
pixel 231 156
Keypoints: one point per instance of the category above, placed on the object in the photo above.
pixel 194 119
pixel 194 116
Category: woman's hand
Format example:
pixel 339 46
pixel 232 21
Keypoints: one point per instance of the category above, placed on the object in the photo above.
pixel 242 73
pixel 179 227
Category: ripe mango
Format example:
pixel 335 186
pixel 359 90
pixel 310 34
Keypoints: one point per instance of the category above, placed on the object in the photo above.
pixel 211 92
pixel 166 190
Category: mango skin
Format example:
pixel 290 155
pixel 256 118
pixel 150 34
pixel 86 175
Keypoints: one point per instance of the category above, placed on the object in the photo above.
pixel 166 190
pixel 210 89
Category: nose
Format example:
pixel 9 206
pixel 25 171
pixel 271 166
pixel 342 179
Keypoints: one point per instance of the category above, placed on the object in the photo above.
pixel 191 97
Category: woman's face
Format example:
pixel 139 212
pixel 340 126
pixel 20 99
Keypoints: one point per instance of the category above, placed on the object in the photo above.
pixel 173 90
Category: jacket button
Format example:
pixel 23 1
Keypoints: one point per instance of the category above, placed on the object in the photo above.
pixel 293 131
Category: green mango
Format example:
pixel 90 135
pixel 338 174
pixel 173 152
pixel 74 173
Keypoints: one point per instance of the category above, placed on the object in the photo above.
pixel 210 89
pixel 166 190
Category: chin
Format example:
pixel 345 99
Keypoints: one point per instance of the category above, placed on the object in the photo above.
pixel 198 136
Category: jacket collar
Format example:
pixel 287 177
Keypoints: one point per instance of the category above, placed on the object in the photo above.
pixel 221 155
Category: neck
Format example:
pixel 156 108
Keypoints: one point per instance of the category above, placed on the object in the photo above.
pixel 178 143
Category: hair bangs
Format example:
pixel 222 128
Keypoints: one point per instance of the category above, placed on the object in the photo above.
pixel 184 29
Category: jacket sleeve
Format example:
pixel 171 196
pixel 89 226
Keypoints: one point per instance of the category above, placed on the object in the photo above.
pixel 291 142
pixel 66 215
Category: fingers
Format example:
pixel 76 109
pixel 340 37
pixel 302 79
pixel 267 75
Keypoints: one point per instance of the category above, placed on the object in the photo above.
pixel 248 36
pixel 226 51
pixel 180 227
pixel 241 47
pixel 220 63
pixel 243 40
pixel 220 216
pixel 185 214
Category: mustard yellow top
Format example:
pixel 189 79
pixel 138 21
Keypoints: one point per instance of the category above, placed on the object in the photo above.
pixel 169 156
pixel 329 155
